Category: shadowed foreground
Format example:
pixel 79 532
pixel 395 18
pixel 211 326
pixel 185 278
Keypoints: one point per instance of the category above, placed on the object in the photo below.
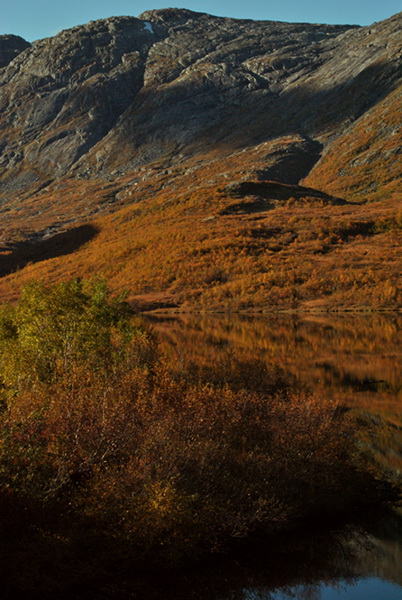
pixel 108 459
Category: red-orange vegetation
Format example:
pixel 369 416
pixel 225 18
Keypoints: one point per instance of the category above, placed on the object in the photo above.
pixel 184 237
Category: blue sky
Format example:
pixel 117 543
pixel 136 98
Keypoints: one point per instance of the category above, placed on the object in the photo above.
pixel 34 19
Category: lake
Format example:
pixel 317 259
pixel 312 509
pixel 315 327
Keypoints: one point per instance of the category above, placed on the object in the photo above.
pixel 354 358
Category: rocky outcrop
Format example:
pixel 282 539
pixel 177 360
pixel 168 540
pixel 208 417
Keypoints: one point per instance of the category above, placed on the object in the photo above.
pixel 64 94
pixel 10 47
pixel 115 95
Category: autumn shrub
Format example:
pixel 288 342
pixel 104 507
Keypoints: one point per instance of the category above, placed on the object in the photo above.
pixel 173 467
pixel 54 329
pixel 228 371
pixel 214 465
pixel 100 440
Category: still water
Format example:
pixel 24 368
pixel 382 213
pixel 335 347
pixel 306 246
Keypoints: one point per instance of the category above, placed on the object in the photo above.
pixel 358 561
pixel 369 588
pixel 356 359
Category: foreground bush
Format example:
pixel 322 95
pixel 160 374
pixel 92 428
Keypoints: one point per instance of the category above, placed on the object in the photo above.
pixel 165 465
pixel 99 441
pixel 55 330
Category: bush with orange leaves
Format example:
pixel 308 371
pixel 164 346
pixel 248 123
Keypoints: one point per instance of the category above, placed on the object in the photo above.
pixel 120 448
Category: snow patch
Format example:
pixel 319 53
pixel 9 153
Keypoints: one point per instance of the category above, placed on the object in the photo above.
pixel 148 27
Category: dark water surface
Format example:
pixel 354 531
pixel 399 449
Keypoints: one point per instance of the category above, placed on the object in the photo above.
pixel 370 588
pixel 359 561
pixel 355 358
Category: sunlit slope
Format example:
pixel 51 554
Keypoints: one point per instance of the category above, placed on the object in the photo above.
pixel 365 163
pixel 169 162
pixel 248 246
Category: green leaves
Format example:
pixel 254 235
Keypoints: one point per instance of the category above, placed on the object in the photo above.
pixel 54 330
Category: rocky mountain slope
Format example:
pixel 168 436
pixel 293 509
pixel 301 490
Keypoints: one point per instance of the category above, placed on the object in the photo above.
pixel 156 117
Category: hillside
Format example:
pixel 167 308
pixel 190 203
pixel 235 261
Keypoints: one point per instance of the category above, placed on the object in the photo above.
pixel 203 162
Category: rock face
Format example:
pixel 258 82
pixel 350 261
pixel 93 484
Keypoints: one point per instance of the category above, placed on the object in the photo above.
pixel 66 93
pixel 113 96
pixel 10 47
pixel 205 162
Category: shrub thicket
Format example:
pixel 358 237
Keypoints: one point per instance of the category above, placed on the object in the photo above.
pixel 99 440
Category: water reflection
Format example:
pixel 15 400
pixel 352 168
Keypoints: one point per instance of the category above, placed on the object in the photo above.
pixel 369 588
pixel 356 358
pixel 360 562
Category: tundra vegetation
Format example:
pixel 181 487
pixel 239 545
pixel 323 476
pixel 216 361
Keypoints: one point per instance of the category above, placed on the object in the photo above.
pixel 202 176
pixel 107 452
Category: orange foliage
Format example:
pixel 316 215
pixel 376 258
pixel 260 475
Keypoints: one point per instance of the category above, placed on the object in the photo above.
pixel 181 237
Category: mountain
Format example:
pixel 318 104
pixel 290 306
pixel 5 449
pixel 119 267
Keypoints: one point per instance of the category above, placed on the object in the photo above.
pixel 204 162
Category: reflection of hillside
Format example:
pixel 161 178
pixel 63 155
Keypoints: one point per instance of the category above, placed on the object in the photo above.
pixel 381 555
pixel 354 358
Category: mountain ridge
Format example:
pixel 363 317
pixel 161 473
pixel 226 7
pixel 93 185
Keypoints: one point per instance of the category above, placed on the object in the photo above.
pixel 124 111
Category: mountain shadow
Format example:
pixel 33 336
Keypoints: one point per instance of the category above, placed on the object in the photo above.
pixel 60 244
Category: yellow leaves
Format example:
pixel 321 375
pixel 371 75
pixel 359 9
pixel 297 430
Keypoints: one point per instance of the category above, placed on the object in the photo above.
pixel 165 244
pixel 163 500
pixel 55 329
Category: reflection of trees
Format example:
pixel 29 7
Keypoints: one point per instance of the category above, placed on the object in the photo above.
pixel 383 556
pixel 306 592
pixel 289 568
pixel 299 566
